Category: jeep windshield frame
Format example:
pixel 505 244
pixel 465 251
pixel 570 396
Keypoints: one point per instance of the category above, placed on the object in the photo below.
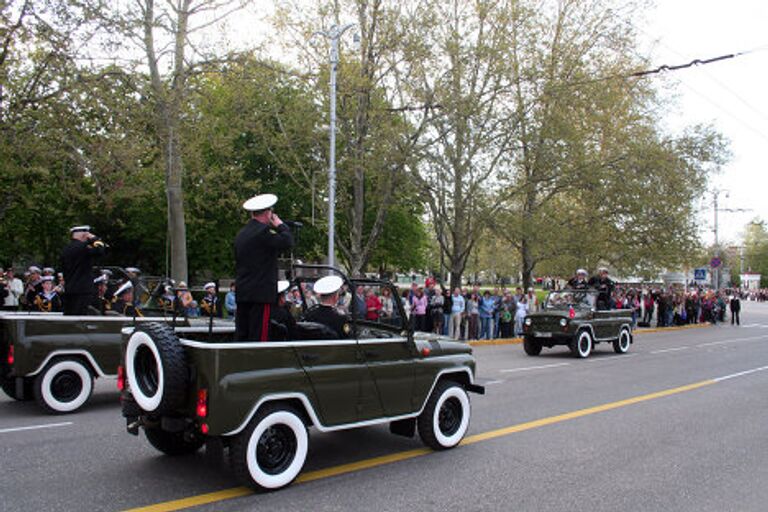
pixel 565 299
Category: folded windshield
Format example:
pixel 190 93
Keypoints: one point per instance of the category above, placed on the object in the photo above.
pixel 567 299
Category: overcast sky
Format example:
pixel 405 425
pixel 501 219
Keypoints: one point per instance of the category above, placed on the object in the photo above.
pixel 732 94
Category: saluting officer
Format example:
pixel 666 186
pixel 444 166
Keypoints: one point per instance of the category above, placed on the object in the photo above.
pixel 257 246
pixel 77 266
pixel 326 313
pixel 579 281
pixel 209 305
pixel 124 301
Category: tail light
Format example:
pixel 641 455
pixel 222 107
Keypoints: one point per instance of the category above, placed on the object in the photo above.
pixel 202 403
pixel 571 313
pixel 11 358
pixel 120 378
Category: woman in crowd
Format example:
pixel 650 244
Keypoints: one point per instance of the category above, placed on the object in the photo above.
pixel 419 309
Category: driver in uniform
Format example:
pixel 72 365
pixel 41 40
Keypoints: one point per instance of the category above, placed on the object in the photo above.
pixel 579 281
pixel 604 286
pixel 281 313
pixel 326 313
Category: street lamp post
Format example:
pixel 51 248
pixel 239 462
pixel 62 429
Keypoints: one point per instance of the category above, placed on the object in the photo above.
pixel 333 34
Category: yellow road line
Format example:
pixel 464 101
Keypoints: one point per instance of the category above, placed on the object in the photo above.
pixel 237 492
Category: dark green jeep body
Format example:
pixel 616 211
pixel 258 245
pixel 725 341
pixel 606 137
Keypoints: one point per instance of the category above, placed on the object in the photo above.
pixel 381 373
pixel 570 318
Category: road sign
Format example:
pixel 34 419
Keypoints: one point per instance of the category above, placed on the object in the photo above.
pixel 700 274
pixel 715 262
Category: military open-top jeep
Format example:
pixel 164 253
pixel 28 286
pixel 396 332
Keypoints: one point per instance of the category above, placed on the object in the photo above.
pixel 188 386
pixel 570 318
pixel 54 358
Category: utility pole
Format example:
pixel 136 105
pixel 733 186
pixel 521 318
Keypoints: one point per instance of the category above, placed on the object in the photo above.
pixel 333 34
pixel 715 196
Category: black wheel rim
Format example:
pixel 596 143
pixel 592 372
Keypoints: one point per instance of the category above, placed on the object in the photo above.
pixel 66 386
pixel 145 368
pixel 276 449
pixel 450 416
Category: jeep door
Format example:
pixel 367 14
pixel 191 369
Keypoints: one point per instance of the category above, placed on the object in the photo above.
pixel 388 350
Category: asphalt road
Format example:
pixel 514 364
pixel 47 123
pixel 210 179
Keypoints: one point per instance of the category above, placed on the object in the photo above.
pixel 636 439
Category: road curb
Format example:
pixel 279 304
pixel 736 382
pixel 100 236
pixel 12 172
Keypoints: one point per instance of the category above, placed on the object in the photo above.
pixel 517 341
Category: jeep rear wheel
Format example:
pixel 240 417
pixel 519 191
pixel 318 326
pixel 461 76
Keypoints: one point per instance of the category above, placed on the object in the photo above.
pixel 581 346
pixel 63 386
pixel 445 419
pixel 173 443
pixel 9 387
pixel 156 368
pixel 531 346
pixel 271 451
pixel 621 345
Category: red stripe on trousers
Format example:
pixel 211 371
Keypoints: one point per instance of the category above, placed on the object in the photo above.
pixel 265 322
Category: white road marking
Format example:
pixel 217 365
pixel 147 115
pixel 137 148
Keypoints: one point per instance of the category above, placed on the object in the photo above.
pixel 664 351
pixel 35 427
pixel 741 374
pixel 611 358
pixel 726 342
pixel 493 382
pixel 527 368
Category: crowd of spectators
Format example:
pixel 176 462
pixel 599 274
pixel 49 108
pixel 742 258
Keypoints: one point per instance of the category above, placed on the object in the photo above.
pixel 466 313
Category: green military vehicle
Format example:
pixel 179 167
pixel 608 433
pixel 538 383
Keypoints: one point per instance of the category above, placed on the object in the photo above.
pixel 189 386
pixel 570 318
pixel 54 358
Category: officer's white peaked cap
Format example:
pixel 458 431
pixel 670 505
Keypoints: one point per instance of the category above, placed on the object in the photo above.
pixel 133 270
pixel 260 202
pixel 328 285
pixel 582 271
pixel 282 286
pixel 101 279
pixel 209 285
pixel 123 288
pixel 47 278
pixel 34 270
pixel 76 229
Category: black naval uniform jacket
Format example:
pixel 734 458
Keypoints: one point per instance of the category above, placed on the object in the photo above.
pixel 256 249
pixel 77 266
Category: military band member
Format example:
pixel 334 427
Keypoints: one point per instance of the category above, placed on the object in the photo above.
pixel 257 247
pixel 326 312
pixel 33 287
pixel 48 301
pixel 124 301
pixel 281 313
pixel 210 305
pixel 77 266
pixel 100 301
pixel 579 281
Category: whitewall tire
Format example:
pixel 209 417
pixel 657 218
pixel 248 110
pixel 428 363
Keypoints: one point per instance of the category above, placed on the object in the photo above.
pixel 63 386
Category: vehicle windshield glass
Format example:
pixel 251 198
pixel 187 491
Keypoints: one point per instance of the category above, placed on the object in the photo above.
pixel 568 298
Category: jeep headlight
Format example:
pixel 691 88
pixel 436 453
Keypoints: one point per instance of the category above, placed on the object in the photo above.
pixel 528 321
pixel 563 322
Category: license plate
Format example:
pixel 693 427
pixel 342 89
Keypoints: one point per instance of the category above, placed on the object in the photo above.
pixel 543 334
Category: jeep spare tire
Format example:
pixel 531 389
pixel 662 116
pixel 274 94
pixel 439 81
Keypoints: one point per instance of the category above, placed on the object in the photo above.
pixel 156 368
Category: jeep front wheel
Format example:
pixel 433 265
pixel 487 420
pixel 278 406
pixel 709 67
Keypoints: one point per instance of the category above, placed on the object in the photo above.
pixel 63 386
pixel 531 346
pixel 581 346
pixel 173 443
pixel 445 419
pixel 271 451
pixel 621 345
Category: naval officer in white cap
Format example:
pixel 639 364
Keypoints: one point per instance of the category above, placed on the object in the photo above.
pixel 327 313
pixel 77 266
pixel 257 247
